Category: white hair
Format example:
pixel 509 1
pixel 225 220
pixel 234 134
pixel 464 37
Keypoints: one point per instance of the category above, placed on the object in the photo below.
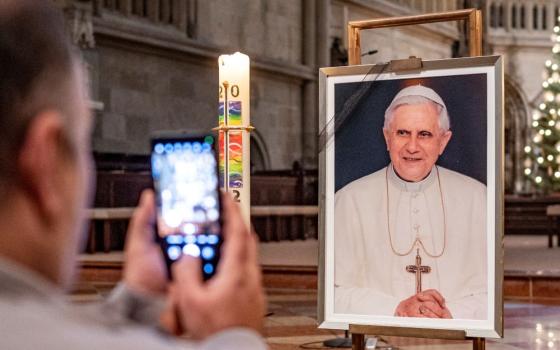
pixel 417 100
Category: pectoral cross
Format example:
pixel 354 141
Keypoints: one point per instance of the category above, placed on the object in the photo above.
pixel 418 269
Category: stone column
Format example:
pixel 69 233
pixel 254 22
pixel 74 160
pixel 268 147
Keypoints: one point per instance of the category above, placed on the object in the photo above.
pixel 508 18
pixel 192 18
pixel 180 15
pixel 309 88
pixel 315 54
pixel 487 18
pixel 126 7
pixel 153 10
pixel 529 16
pixel 519 10
pixel 550 19
pixel 537 20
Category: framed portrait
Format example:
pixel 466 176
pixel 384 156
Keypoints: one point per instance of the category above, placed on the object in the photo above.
pixel 411 196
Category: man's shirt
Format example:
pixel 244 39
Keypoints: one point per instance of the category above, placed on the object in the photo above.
pixel 34 315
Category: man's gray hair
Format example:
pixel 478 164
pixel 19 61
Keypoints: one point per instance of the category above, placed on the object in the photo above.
pixel 415 95
pixel 37 64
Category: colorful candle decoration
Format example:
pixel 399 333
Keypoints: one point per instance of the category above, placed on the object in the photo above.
pixel 234 127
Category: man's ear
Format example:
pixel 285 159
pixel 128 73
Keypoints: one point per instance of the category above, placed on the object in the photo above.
pixel 40 163
pixel 387 135
pixel 444 141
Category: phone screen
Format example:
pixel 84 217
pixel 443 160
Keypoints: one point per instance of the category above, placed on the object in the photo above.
pixel 184 171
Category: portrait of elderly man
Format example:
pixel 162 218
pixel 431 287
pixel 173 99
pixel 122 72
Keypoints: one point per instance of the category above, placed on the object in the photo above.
pixel 410 238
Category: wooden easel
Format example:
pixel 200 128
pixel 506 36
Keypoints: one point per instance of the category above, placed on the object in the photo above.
pixel 474 18
pixel 359 332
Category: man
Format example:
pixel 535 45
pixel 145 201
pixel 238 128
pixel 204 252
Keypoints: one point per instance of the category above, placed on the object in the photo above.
pixel 44 180
pixel 411 238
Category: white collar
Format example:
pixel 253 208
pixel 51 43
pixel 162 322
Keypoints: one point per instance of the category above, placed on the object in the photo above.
pixel 408 186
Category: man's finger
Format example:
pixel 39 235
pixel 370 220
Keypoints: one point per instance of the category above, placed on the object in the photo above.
pixel 433 307
pixel 142 220
pixel 424 311
pixel 187 275
pixel 232 218
pixel 168 318
pixel 235 250
pixel 425 296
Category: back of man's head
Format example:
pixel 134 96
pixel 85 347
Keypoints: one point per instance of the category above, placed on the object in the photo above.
pixel 36 63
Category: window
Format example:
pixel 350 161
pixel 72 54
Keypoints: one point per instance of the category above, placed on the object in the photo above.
pixel 493 22
pixel 501 16
pixel 535 17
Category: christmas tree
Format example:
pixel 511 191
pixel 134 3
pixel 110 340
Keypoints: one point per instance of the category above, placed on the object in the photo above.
pixel 542 162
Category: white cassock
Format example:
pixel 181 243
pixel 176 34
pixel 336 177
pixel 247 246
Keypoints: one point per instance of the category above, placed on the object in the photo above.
pixel 370 279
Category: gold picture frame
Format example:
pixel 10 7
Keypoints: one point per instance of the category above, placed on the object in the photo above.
pixel 473 17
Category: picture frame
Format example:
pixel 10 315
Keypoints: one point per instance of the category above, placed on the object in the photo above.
pixel 353 100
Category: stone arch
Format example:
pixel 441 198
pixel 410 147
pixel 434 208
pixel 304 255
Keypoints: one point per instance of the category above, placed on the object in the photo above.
pixel 260 157
pixel 517 131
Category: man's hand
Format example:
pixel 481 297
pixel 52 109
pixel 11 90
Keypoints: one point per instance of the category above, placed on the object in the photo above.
pixel 144 269
pixel 429 303
pixel 234 296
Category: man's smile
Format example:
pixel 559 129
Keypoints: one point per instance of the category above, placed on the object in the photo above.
pixel 412 159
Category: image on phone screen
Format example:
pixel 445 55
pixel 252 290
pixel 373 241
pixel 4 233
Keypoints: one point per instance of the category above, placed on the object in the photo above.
pixel 184 171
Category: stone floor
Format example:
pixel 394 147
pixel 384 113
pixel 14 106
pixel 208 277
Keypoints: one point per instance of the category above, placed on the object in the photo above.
pixel 293 326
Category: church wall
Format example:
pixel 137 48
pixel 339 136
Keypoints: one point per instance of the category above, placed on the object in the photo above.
pixel 147 84
pixel 161 93
pixel 271 29
pixel 526 66
pixel 144 92
pixel 277 114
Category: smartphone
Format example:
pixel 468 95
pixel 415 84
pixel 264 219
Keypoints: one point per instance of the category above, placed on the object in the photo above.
pixel 185 175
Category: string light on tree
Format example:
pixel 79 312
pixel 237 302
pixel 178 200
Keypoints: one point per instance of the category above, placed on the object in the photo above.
pixel 538 179
pixel 542 155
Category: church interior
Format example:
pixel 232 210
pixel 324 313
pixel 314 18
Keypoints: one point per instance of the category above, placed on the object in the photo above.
pixel 153 65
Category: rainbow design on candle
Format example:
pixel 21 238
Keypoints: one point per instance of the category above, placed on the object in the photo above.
pixel 234 116
pixel 235 161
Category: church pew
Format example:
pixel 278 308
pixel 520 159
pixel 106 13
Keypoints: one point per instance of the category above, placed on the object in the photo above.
pixel 270 213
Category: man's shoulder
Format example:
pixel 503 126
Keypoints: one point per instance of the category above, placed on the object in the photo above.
pixel 370 182
pixel 460 181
